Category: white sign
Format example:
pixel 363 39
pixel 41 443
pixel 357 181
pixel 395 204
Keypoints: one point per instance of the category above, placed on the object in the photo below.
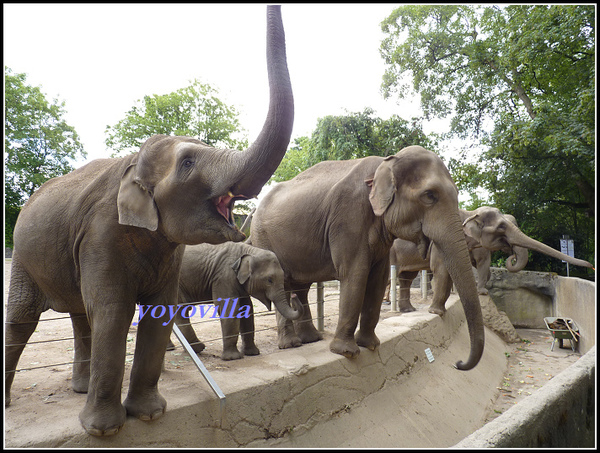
pixel 567 247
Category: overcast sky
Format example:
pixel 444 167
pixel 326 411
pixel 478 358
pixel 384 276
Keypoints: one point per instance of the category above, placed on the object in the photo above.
pixel 101 58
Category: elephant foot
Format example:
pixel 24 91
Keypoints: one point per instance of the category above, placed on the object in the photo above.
pixel 105 422
pixel 407 309
pixel 367 340
pixel 251 349
pixel 287 341
pixel 483 291
pixel 148 408
pixel 347 348
pixel 80 384
pixel 437 310
pixel 198 346
pixel 231 354
pixel 170 346
pixel 309 334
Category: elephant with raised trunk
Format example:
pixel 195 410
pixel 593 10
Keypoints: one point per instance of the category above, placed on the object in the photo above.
pixel 338 220
pixel 486 230
pixel 109 235
pixel 228 274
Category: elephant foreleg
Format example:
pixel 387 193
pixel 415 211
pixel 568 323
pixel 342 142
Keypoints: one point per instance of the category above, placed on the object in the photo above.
pixel 143 398
pixel 441 283
pixel 371 307
pixel 83 352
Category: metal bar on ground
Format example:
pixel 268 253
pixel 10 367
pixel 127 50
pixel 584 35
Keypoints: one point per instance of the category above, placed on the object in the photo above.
pixel 393 283
pixel 213 385
pixel 320 306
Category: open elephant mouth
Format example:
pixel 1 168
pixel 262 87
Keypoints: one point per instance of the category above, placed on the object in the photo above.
pixel 224 205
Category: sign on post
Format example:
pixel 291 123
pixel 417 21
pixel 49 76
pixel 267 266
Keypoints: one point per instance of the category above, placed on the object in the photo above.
pixel 568 248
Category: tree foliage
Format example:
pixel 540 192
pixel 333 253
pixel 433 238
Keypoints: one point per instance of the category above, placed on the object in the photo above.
pixel 351 136
pixel 193 111
pixel 38 144
pixel 518 80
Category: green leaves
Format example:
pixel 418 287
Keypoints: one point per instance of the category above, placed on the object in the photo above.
pixel 193 111
pixel 351 136
pixel 38 143
pixel 520 81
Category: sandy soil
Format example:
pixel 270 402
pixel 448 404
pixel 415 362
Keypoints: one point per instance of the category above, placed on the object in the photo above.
pixel 46 374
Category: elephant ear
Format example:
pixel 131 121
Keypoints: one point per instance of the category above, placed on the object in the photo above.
pixel 135 204
pixel 243 268
pixel 472 227
pixel 383 187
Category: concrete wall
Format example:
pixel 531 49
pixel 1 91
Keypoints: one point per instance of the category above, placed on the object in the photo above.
pixel 528 297
pixel 576 299
pixel 560 414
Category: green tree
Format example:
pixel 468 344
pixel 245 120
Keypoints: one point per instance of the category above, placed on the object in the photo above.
pixel 351 136
pixel 193 111
pixel 520 81
pixel 38 144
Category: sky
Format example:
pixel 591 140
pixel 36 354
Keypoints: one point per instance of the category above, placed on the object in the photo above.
pixel 101 58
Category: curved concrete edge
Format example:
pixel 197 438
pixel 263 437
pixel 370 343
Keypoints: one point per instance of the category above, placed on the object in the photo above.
pixel 291 390
pixel 560 414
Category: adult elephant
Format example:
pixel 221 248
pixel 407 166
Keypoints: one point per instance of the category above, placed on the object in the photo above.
pixel 338 219
pixel 110 234
pixel 486 230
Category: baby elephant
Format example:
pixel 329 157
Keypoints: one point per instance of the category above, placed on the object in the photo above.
pixel 227 275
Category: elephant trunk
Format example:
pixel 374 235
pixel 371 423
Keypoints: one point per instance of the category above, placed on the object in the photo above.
pixel 252 168
pixel 291 309
pixel 519 239
pixel 518 260
pixel 451 242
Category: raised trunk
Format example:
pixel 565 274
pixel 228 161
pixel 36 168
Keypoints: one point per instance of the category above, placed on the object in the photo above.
pixel 451 242
pixel 283 307
pixel 517 238
pixel 252 168
pixel 520 257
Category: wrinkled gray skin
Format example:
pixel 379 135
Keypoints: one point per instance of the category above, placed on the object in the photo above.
pixel 338 219
pixel 232 270
pixel 108 235
pixel 486 230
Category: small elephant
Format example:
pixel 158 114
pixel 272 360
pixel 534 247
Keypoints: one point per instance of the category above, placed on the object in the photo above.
pixel 226 273
pixel 344 216
pixel 486 230
pixel 111 234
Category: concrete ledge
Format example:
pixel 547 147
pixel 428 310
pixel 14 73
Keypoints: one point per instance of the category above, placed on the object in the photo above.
pixel 560 414
pixel 285 394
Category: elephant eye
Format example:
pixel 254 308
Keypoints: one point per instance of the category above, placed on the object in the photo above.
pixel 429 197
pixel 187 162
pixel 270 280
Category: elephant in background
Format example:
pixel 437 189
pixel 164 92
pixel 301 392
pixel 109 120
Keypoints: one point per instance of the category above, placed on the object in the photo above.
pixel 486 230
pixel 233 271
pixel 338 220
pixel 110 234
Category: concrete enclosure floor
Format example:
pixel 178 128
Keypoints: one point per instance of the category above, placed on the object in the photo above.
pixel 303 397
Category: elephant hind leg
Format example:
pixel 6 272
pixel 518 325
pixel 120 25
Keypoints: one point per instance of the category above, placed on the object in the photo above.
pixel 83 353
pixel 24 307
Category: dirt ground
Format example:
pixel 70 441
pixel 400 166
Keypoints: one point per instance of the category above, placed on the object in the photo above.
pixel 46 374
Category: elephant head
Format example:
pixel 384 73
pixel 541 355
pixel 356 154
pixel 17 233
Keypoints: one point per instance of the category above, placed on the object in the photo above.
pixel 417 199
pixel 262 277
pixel 488 227
pixel 186 189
